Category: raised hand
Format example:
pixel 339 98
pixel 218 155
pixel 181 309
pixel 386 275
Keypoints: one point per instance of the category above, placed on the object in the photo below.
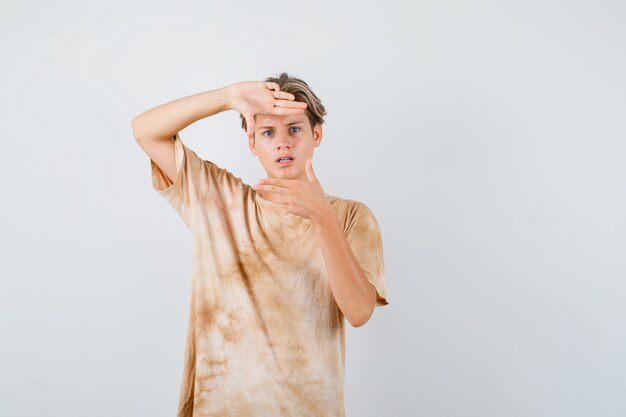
pixel 304 198
pixel 262 97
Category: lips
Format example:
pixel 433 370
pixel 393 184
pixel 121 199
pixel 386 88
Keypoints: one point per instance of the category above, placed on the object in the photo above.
pixel 284 161
pixel 284 158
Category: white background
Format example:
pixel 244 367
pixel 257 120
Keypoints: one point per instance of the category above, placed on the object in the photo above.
pixel 486 136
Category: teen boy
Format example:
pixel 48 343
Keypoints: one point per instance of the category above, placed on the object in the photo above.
pixel 276 266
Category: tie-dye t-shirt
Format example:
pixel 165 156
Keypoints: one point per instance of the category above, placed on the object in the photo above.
pixel 265 337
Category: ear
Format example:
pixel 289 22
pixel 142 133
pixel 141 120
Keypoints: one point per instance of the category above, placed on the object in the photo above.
pixel 252 146
pixel 317 135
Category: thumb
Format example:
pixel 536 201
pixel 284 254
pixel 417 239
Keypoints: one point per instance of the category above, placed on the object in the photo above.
pixel 309 170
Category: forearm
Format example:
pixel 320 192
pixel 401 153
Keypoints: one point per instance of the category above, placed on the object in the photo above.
pixel 354 294
pixel 164 121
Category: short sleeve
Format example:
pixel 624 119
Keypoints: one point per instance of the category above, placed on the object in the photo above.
pixel 365 240
pixel 198 183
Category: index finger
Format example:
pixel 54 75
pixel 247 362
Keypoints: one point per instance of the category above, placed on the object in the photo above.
pixel 285 95
pixel 290 103
pixel 272 85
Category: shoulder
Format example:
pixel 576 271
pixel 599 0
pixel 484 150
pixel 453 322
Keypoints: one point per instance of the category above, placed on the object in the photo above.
pixel 206 167
pixel 351 212
pixel 348 206
pixel 222 176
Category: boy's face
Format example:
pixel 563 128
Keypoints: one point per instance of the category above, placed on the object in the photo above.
pixel 279 136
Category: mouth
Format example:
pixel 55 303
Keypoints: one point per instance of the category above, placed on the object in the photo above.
pixel 284 160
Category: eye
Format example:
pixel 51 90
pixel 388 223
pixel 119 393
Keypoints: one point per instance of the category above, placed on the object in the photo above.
pixel 295 127
pixel 264 133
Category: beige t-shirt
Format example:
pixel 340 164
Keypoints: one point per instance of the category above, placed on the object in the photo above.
pixel 265 336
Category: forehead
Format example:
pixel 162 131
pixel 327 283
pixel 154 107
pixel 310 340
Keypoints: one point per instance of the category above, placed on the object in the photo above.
pixel 278 120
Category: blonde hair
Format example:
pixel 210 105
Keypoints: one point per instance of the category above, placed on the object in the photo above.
pixel 315 110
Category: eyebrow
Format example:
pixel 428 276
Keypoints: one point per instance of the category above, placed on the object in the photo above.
pixel 286 124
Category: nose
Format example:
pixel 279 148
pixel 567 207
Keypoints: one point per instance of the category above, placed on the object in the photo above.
pixel 283 142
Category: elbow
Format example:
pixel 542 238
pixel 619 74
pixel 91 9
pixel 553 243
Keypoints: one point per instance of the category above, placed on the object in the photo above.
pixel 365 315
pixel 362 318
pixel 358 323
pixel 135 127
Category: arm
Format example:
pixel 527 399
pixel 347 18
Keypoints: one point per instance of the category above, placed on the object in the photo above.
pixel 164 121
pixel 354 294
pixel 154 130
